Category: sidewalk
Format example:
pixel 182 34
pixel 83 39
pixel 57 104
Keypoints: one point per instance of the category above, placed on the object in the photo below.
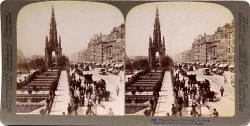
pixel 62 97
pixel 166 98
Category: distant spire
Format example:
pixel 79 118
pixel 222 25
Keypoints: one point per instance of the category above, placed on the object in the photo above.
pixel 163 43
pixel 59 40
pixel 46 41
pixel 157 31
pixel 53 11
pixel 150 41
pixel 53 31
pixel 157 12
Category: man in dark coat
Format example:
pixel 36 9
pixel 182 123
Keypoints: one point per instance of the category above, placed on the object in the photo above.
pixel 173 110
pixel 69 109
pixel 221 91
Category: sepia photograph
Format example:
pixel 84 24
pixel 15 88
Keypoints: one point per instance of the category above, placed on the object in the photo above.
pixel 124 62
pixel 70 59
pixel 180 60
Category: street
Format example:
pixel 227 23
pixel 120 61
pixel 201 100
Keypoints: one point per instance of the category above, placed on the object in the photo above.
pixel 225 104
pixel 112 82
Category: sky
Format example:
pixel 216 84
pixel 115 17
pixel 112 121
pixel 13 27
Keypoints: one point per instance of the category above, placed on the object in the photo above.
pixel 76 22
pixel 180 23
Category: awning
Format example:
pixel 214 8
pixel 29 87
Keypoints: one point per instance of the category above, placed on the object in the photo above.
pixel 223 65
pixel 121 65
pixel 118 65
pixel 213 64
pixel 217 64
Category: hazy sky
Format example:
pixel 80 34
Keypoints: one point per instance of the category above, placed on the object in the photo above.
pixel 180 24
pixel 76 22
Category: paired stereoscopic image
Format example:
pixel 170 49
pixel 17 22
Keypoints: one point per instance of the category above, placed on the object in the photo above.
pixel 70 59
pixel 163 59
pixel 179 60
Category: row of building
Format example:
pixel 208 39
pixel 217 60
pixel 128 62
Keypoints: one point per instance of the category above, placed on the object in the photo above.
pixel 215 48
pixel 107 48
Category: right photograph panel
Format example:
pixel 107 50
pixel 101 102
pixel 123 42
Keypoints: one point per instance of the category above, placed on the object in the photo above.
pixel 180 60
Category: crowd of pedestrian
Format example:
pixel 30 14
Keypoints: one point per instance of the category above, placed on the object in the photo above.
pixel 187 89
pixel 85 92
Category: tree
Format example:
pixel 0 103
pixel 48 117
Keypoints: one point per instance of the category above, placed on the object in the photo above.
pixel 128 64
pixel 37 63
pixel 141 64
pixel 40 63
pixel 166 61
pixel 63 61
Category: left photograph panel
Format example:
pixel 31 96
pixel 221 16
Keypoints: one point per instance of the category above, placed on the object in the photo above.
pixel 70 59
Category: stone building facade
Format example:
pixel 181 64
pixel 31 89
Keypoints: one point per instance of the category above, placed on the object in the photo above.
pixel 214 48
pixel 107 48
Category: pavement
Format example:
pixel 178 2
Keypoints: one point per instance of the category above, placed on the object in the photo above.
pixel 62 97
pixel 166 98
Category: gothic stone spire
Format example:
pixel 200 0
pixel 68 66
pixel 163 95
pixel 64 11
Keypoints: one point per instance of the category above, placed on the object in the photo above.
pixel 150 42
pixel 157 31
pixel 163 43
pixel 46 41
pixel 59 41
pixel 53 31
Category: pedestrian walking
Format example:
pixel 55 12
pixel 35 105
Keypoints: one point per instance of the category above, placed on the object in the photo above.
pixel 69 109
pixel 94 98
pixel 99 99
pixel 221 91
pixel 199 109
pixel 117 90
pixel 120 79
pixel 215 113
pixel 167 115
pixel 225 80
pixel 83 100
pixel 173 110
pixel 180 102
pixel 76 108
pixel 89 108
pixel 110 112
pixel 194 113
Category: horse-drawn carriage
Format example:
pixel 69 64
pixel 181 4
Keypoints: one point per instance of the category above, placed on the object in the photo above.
pixel 88 78
pixel 192 78
pixel 204 87
pixel 100 88
pixel 205 90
